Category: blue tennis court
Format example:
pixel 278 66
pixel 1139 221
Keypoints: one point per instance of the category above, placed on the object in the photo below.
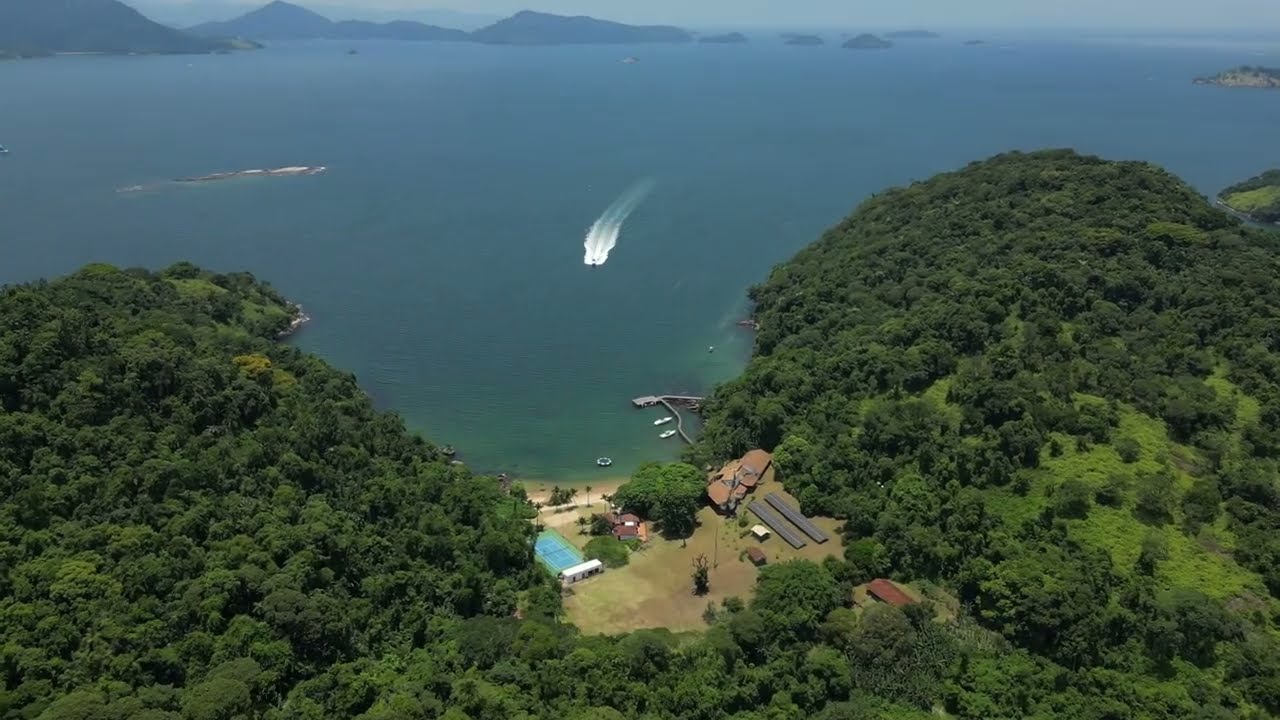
pixel 555 551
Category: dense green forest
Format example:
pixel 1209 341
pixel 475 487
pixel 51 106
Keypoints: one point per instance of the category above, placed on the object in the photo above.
pixel 197 521
pixel 1257 197
pixel 1047 384
pixel 1052 384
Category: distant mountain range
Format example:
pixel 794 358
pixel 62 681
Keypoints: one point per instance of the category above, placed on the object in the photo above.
pixel 284 21
pixel 194 12
pixel 43 27
pixel 534 28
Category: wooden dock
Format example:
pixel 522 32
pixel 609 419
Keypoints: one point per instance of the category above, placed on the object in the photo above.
pixel 670 402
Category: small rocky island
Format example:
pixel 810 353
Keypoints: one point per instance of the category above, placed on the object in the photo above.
pixel 914 35
pixel 803 40
pixel 974 43
pixel 1245 76
pixel 1257 198
pixel 867 41
pixel 732 38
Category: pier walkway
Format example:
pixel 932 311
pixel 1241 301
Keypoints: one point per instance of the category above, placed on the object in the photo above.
pixel 670 402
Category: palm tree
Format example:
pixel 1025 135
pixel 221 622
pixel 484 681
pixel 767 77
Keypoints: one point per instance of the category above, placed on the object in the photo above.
pixel 588 496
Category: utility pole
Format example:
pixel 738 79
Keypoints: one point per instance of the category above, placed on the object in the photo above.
pixel 715 562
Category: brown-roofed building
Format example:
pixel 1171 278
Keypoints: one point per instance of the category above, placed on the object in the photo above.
pixel 736 479
pixel 887 592
pixel 719 493
pixel 757 462
pixel 626 526
pixel 626 532
pixel 756 555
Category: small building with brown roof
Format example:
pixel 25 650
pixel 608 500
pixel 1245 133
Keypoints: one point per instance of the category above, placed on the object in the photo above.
pixel 626 532
pixel 756 556
pixel 887 592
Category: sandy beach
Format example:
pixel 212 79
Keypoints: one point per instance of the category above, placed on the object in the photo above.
pixel 564 518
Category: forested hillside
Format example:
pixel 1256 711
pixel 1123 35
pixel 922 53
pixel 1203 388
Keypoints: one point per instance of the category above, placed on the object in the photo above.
pixel 1052 384
pixel 195 519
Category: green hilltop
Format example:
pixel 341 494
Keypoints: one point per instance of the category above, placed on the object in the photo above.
pixel 1046 382
pixel 1257 198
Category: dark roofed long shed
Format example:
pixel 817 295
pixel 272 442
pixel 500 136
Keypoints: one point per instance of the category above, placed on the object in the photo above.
pixel 780 528
pixel 805 524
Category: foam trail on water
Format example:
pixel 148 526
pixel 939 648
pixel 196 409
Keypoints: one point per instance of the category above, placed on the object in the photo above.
pixel 603 235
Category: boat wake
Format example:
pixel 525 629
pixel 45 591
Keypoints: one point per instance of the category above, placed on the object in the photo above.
pixel 603 235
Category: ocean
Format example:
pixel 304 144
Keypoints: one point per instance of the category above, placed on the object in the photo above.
pixel 441 254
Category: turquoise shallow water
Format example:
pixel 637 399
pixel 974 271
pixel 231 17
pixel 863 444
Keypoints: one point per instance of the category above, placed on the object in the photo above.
pixel 441 254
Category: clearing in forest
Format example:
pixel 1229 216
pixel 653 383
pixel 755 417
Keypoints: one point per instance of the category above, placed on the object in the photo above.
pixel 656 588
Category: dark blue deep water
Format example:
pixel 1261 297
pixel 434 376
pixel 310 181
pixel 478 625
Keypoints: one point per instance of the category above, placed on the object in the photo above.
pixel 441 255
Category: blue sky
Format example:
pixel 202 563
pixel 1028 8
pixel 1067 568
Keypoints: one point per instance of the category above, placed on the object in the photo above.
pixel 1100 14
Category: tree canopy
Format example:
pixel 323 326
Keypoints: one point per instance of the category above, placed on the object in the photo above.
pixel 669 494
pixel 1046 385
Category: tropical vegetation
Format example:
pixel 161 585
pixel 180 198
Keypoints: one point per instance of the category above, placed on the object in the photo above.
pixel 1051 384
pixel 1046 385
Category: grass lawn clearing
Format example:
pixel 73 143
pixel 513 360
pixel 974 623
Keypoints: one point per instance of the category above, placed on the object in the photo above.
pixel 656 588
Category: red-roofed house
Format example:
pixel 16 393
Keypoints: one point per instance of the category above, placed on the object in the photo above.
pixel 888 593
pixel 626 532
pixel 626 526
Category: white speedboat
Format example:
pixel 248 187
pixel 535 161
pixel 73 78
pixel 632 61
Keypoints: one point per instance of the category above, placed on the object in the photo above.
pixel 662 421
pixel 667 434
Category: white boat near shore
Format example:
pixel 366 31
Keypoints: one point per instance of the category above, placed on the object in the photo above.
pixel 667 434
pixel 662 421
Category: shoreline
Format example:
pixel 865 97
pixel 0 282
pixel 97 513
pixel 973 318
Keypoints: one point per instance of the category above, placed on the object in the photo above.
pixel 540 490
pixel 300 318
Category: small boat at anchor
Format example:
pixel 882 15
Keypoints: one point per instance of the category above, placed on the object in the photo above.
pixel 4 150
pixel 604 462
pixel 667 434
pixel 662 421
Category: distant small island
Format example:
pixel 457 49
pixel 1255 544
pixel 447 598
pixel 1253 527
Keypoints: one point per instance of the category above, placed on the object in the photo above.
pixel 975 42
pixel 733 38
pixel 867 41
pixel 914 35
pixel 803 40
pixel 1244 76
pixel 1257 198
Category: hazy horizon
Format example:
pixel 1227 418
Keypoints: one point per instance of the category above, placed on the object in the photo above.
pixel 1192 16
